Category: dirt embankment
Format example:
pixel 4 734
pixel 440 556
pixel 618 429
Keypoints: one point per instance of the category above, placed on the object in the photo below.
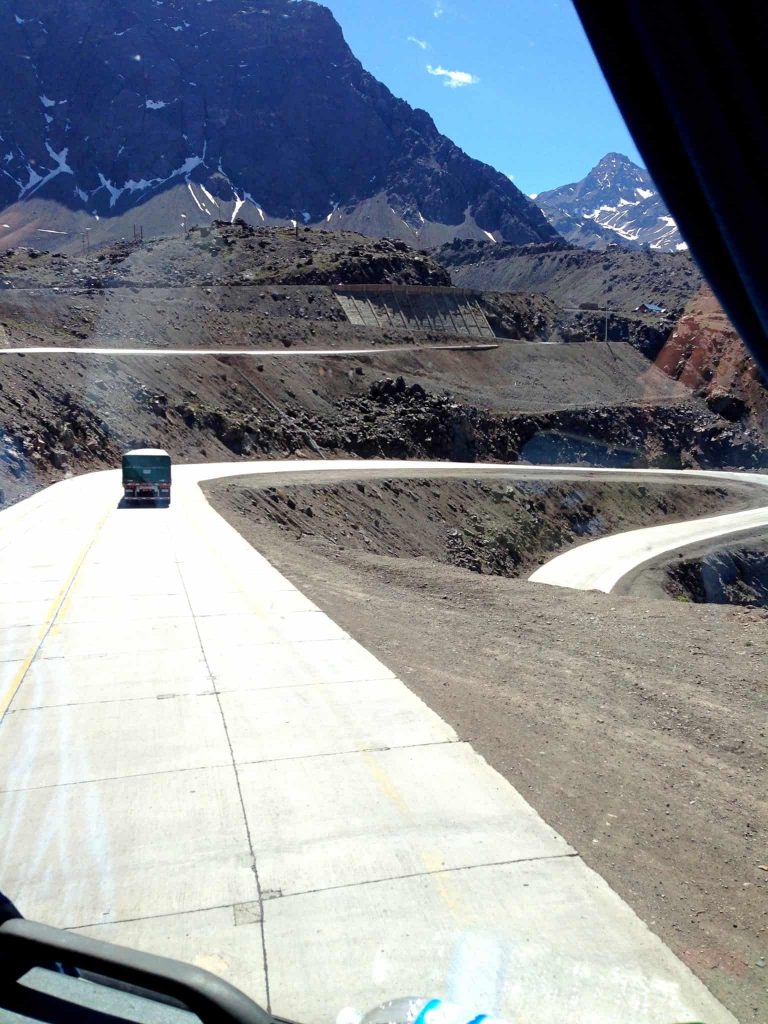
pixel 731 572
pixel 635 727
pixel 730 575
pixel 499 527
pixel 129 294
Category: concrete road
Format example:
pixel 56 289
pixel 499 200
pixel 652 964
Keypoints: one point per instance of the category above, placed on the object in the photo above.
pixel 600 564
pixel 197 761
pixel 262 353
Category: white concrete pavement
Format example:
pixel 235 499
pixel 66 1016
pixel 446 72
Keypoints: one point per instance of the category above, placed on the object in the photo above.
pixel 600 564
pixel 196 760
pixel 261 353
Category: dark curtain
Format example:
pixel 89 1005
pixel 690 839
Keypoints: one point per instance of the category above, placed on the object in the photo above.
pixel 690 80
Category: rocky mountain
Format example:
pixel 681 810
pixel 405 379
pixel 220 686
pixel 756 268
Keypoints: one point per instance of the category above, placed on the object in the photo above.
pixel 617 202
pixel 620 279
pixel 155 113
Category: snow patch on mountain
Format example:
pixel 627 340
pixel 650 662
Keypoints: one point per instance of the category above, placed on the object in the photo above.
pixel 37 181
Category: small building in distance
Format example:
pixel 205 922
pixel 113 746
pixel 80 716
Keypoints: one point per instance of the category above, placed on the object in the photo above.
pixel 650 307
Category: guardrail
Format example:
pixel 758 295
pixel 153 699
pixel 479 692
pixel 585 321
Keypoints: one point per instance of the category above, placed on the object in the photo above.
pixel 55 976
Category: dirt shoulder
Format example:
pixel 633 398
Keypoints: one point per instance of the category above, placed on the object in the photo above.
pixel 635 727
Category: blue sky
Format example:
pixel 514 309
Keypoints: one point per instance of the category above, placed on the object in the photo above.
pixel 529 98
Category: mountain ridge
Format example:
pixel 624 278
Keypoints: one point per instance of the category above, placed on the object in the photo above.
pixel 616 202
pixel 183 111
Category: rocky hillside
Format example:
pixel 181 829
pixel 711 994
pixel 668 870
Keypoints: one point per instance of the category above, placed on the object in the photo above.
pixel 142 114
pixel 572 276
pixel 130 293
pixel 227 254
pixel 232 286
pixel 735 573
pixel 616 203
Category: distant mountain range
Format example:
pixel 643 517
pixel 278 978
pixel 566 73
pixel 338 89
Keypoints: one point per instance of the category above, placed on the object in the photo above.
pixel 617 202
pixel 149 114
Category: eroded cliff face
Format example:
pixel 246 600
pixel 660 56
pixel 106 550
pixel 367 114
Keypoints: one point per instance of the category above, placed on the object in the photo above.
pixel 705 353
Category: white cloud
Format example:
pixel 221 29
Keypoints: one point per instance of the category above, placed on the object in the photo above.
pixel 453 79
pixel 438 10
pixel 421 43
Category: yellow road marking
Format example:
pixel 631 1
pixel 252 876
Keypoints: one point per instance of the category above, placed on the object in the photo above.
pixel 61 614
pixel 53 610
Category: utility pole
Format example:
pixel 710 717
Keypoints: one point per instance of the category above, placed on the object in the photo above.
pixel 606 330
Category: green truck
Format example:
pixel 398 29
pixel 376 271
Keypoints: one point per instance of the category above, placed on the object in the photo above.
pixel 147 476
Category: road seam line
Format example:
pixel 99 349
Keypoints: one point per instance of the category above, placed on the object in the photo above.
pixel 572 855
pixel 199 693
pixel 152 917
pixel 242 764
pixel 234 766
pixel 569 855
pixel 117 778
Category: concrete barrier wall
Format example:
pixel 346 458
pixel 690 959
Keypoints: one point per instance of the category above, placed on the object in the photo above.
pixel 450 310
